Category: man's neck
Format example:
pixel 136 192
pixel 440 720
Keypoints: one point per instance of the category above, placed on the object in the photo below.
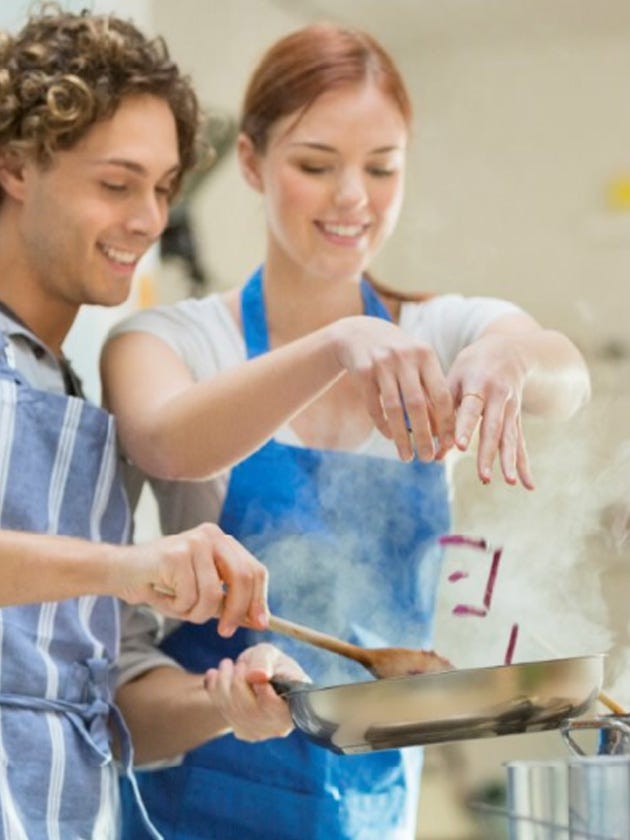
pixel 22 290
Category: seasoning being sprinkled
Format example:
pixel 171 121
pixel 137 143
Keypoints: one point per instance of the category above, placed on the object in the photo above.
pixel 460 539
pixel 467 609
pixel 492 577
pixel 509 653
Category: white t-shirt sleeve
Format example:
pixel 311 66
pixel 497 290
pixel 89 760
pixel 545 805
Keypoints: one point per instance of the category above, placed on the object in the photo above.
pixel 201 332
pixel 451 322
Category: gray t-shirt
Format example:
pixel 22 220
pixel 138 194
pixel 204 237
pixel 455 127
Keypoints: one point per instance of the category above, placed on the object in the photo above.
pixel 30 356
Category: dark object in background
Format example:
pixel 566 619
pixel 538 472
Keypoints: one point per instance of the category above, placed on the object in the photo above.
pixel 178 239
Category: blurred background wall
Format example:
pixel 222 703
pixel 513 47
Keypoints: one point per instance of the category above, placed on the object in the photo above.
pixel 518 186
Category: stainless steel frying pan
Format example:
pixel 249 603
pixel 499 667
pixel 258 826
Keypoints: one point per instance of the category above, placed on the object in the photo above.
pixel 449 706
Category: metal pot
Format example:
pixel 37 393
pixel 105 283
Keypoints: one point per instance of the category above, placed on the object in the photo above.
pixel 448 706
pixel 599 797
pixel 614 734
pixel 582 797
pixel 538 800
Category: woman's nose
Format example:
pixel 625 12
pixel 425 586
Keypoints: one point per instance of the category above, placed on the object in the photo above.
pixel 351 190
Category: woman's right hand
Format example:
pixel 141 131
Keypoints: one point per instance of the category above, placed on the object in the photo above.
pixel 402 383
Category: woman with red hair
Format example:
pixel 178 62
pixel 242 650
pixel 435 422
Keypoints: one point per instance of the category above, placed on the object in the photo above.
pixel 312 351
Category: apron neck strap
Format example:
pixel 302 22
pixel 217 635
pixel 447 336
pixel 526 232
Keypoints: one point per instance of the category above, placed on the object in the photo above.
pixel 254 314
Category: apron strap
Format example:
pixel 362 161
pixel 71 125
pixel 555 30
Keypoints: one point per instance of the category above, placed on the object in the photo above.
pixel 126 760
pixel 254 314
pixel 372 304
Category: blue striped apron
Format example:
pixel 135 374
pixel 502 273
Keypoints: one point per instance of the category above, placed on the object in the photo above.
pixel 350 543
pixel 58 475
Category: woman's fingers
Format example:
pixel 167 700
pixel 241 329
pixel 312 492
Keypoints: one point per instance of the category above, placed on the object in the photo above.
pixel 440 404
pixel 490 435
pixel 508 445
pixel 522 460
pixel 402 383
pixel 469 413
pixel 500 435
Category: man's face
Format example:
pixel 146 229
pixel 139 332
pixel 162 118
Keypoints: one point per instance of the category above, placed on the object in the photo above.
pixel 85 221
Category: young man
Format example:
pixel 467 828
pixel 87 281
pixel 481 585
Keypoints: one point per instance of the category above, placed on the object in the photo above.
pixel 97 128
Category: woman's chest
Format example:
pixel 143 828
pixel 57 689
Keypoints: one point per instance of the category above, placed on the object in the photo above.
pixel 338 419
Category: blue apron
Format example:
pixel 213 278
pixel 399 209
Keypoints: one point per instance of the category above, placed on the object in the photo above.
pixel 58 475
pixel 350 543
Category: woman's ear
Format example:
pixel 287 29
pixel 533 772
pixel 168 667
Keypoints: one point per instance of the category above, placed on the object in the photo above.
pixel 249 161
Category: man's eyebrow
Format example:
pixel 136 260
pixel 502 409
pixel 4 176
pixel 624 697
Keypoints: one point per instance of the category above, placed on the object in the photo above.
pixel 133 166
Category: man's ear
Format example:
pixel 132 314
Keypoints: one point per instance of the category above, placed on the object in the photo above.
pixel 249 161
pixel 12 179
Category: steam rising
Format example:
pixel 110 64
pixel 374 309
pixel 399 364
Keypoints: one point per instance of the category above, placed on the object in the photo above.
pixel 559 551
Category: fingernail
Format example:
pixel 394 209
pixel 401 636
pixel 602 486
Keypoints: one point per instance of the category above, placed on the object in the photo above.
pixel 405 454
pixel 226 629
pixel 462 440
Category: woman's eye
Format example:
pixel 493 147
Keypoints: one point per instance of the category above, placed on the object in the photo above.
pixel 114 187
pixel 381 171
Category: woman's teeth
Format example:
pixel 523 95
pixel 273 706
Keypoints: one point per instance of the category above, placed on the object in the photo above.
pixel 344 230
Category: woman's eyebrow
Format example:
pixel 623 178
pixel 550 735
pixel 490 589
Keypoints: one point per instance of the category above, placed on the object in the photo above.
pixel 323 147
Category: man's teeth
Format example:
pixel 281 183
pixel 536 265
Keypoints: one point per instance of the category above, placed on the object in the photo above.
pixel 344 230
pixel 125 257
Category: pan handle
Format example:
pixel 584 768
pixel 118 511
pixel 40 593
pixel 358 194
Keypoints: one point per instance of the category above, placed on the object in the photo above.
pixel 287 687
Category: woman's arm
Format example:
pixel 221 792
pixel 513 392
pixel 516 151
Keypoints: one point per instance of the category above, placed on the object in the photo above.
pixel 176 428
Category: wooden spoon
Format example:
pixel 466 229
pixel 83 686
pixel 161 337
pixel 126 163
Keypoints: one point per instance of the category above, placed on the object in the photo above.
pixel 380 662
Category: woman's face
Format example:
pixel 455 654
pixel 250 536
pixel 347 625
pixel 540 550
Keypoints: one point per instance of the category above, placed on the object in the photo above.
pixel 332 180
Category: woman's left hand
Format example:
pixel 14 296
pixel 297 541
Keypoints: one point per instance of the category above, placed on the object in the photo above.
pixel 242 692
pixel 487 380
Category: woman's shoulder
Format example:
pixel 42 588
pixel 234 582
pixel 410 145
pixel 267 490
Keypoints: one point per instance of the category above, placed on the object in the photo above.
pixel 450 322
pixel 195 328
pixel 437 310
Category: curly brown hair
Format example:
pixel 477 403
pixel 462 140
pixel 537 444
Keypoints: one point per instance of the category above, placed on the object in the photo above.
pixel 64 71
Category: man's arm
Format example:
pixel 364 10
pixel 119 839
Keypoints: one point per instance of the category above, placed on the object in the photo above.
pixel 207 572
pixel 170 711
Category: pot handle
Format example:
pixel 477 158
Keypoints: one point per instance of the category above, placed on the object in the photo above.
pixel 568 726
